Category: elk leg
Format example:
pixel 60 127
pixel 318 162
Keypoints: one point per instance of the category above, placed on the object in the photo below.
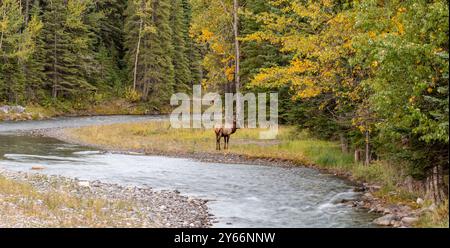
pixel 227 138
pixel 218 143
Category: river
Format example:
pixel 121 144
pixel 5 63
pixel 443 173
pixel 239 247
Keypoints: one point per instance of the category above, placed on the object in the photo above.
pixel 239 195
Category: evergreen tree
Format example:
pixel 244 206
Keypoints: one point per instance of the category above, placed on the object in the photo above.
pixel 257 55
pixel 17 46
pixel 67 41
pixel 193 49
pixel 149 44
pixel 180 60
pixel 33 67
pixel 106 19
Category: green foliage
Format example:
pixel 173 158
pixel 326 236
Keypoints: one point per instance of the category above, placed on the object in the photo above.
pixel 18 32
pixel 373 72
pixel 180 59
pixel 132 95
pixel 67 53
pixel 406 49
pixel 78 50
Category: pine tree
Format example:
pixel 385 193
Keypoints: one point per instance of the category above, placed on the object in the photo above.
pixel 33 68
pixel 67 47
pixel 180 60
pixel 17 46
pixel 257 55
pixel 149 44
pixel 159 77
pixel 193 49
pixel 106 20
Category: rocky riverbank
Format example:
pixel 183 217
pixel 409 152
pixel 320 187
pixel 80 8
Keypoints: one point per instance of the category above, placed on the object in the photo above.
pixel 393 215
pixel 35 200
pixel 17 113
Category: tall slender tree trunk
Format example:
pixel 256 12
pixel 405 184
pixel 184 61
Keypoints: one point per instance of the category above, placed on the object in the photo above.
pixel 368 157
pixel 1 41
pixel 136 60
pixel 435 187
pixel 55 58
pixel 344 143
pixel 29 92
pixel 27 11
pixel 55 70
pixel 237 78
pixel 1 36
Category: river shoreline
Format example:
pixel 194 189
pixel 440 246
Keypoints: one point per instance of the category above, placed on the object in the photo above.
pixel 392 215
pixel 139 207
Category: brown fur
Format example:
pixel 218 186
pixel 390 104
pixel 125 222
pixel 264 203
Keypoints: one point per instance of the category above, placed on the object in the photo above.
pixel 225 132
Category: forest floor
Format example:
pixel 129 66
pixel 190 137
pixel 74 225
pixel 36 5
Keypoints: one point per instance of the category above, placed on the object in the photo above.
pixel 382 182
pixel 33 200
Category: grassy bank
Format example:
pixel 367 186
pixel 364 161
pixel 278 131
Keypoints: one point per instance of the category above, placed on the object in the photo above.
pixel 22 205
pixel 291 145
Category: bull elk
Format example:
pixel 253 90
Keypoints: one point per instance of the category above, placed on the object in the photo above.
pixel 225 132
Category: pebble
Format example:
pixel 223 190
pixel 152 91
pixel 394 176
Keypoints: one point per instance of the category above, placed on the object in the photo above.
pixel 420 201
pixel 83 184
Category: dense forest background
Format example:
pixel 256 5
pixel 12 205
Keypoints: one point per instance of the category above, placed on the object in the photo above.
pixel 372 74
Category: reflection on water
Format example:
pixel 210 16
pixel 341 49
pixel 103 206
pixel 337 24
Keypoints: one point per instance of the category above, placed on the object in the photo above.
pixel 240 195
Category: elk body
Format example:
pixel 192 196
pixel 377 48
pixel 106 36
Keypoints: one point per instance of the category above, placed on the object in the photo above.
pixel 225 132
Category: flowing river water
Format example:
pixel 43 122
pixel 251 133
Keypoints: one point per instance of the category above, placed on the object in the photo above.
pixel 239 195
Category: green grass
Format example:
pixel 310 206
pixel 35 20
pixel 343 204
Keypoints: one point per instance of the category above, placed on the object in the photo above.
pixel 435 219
pixel 291 145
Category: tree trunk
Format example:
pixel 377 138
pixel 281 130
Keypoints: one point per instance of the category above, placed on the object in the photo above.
pixel 368 157
pixel 137 54
pixel 436 190
pixel 1 36
pixel 55 76
pixel 1 41
pixel 344 143
pixel 27 11
pixel 237 78
pixel 357 156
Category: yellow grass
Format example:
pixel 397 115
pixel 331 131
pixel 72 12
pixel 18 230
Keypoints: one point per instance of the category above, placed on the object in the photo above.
pixel 437 218
pixel 159 137
pixel 291 145
pixel 21 199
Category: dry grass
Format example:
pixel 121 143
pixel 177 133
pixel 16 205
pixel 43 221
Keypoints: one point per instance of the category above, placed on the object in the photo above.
pixel 291 145
pixel 159 137
pixel 20 202
pixel 437 218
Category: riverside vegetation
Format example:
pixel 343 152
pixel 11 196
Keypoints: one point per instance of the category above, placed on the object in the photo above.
pixel 33 200
pixel 294 147
pixel 371 75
